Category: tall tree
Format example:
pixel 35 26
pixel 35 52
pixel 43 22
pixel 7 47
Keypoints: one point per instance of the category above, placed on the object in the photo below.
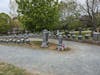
pixel 69 13
pixel 4 23
pixel 91 8
pixel 38 14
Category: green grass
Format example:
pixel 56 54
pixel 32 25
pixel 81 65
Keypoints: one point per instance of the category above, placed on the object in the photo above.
pixel 83 32
pixel 37 45
pixel 8 69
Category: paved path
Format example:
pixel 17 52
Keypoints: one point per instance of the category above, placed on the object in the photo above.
pixel 84 59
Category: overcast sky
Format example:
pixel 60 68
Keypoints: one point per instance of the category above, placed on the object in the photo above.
pixel 4 5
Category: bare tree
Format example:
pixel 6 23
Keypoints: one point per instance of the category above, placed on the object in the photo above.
pixel 92 9
pixel 69 11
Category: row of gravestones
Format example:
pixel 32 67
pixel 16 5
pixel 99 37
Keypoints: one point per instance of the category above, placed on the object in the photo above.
pixel 14 39
pixel 25 39
pixel 60 45
pixel 79 37
pixel 95 37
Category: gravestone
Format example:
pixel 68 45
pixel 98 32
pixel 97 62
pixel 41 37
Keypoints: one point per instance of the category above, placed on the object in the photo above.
pixel 26 37
pixel 80 37
pixel 69 35
pixel 45 38
pixel 87 36
pixel 60 45
pixel 96 36
pixel 73 36
pixel 80 31
pixel 58 32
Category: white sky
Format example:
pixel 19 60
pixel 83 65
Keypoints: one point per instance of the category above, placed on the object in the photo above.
pixel 4 5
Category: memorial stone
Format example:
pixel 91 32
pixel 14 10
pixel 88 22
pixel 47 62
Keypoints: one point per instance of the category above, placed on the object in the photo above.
pixel 45 38
pixel 60 43
pixel 96 36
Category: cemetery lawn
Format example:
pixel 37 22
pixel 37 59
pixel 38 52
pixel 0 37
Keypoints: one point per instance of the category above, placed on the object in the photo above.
pixel 8 69
pixel 83 32
pixel 52 46
pixel 37 45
